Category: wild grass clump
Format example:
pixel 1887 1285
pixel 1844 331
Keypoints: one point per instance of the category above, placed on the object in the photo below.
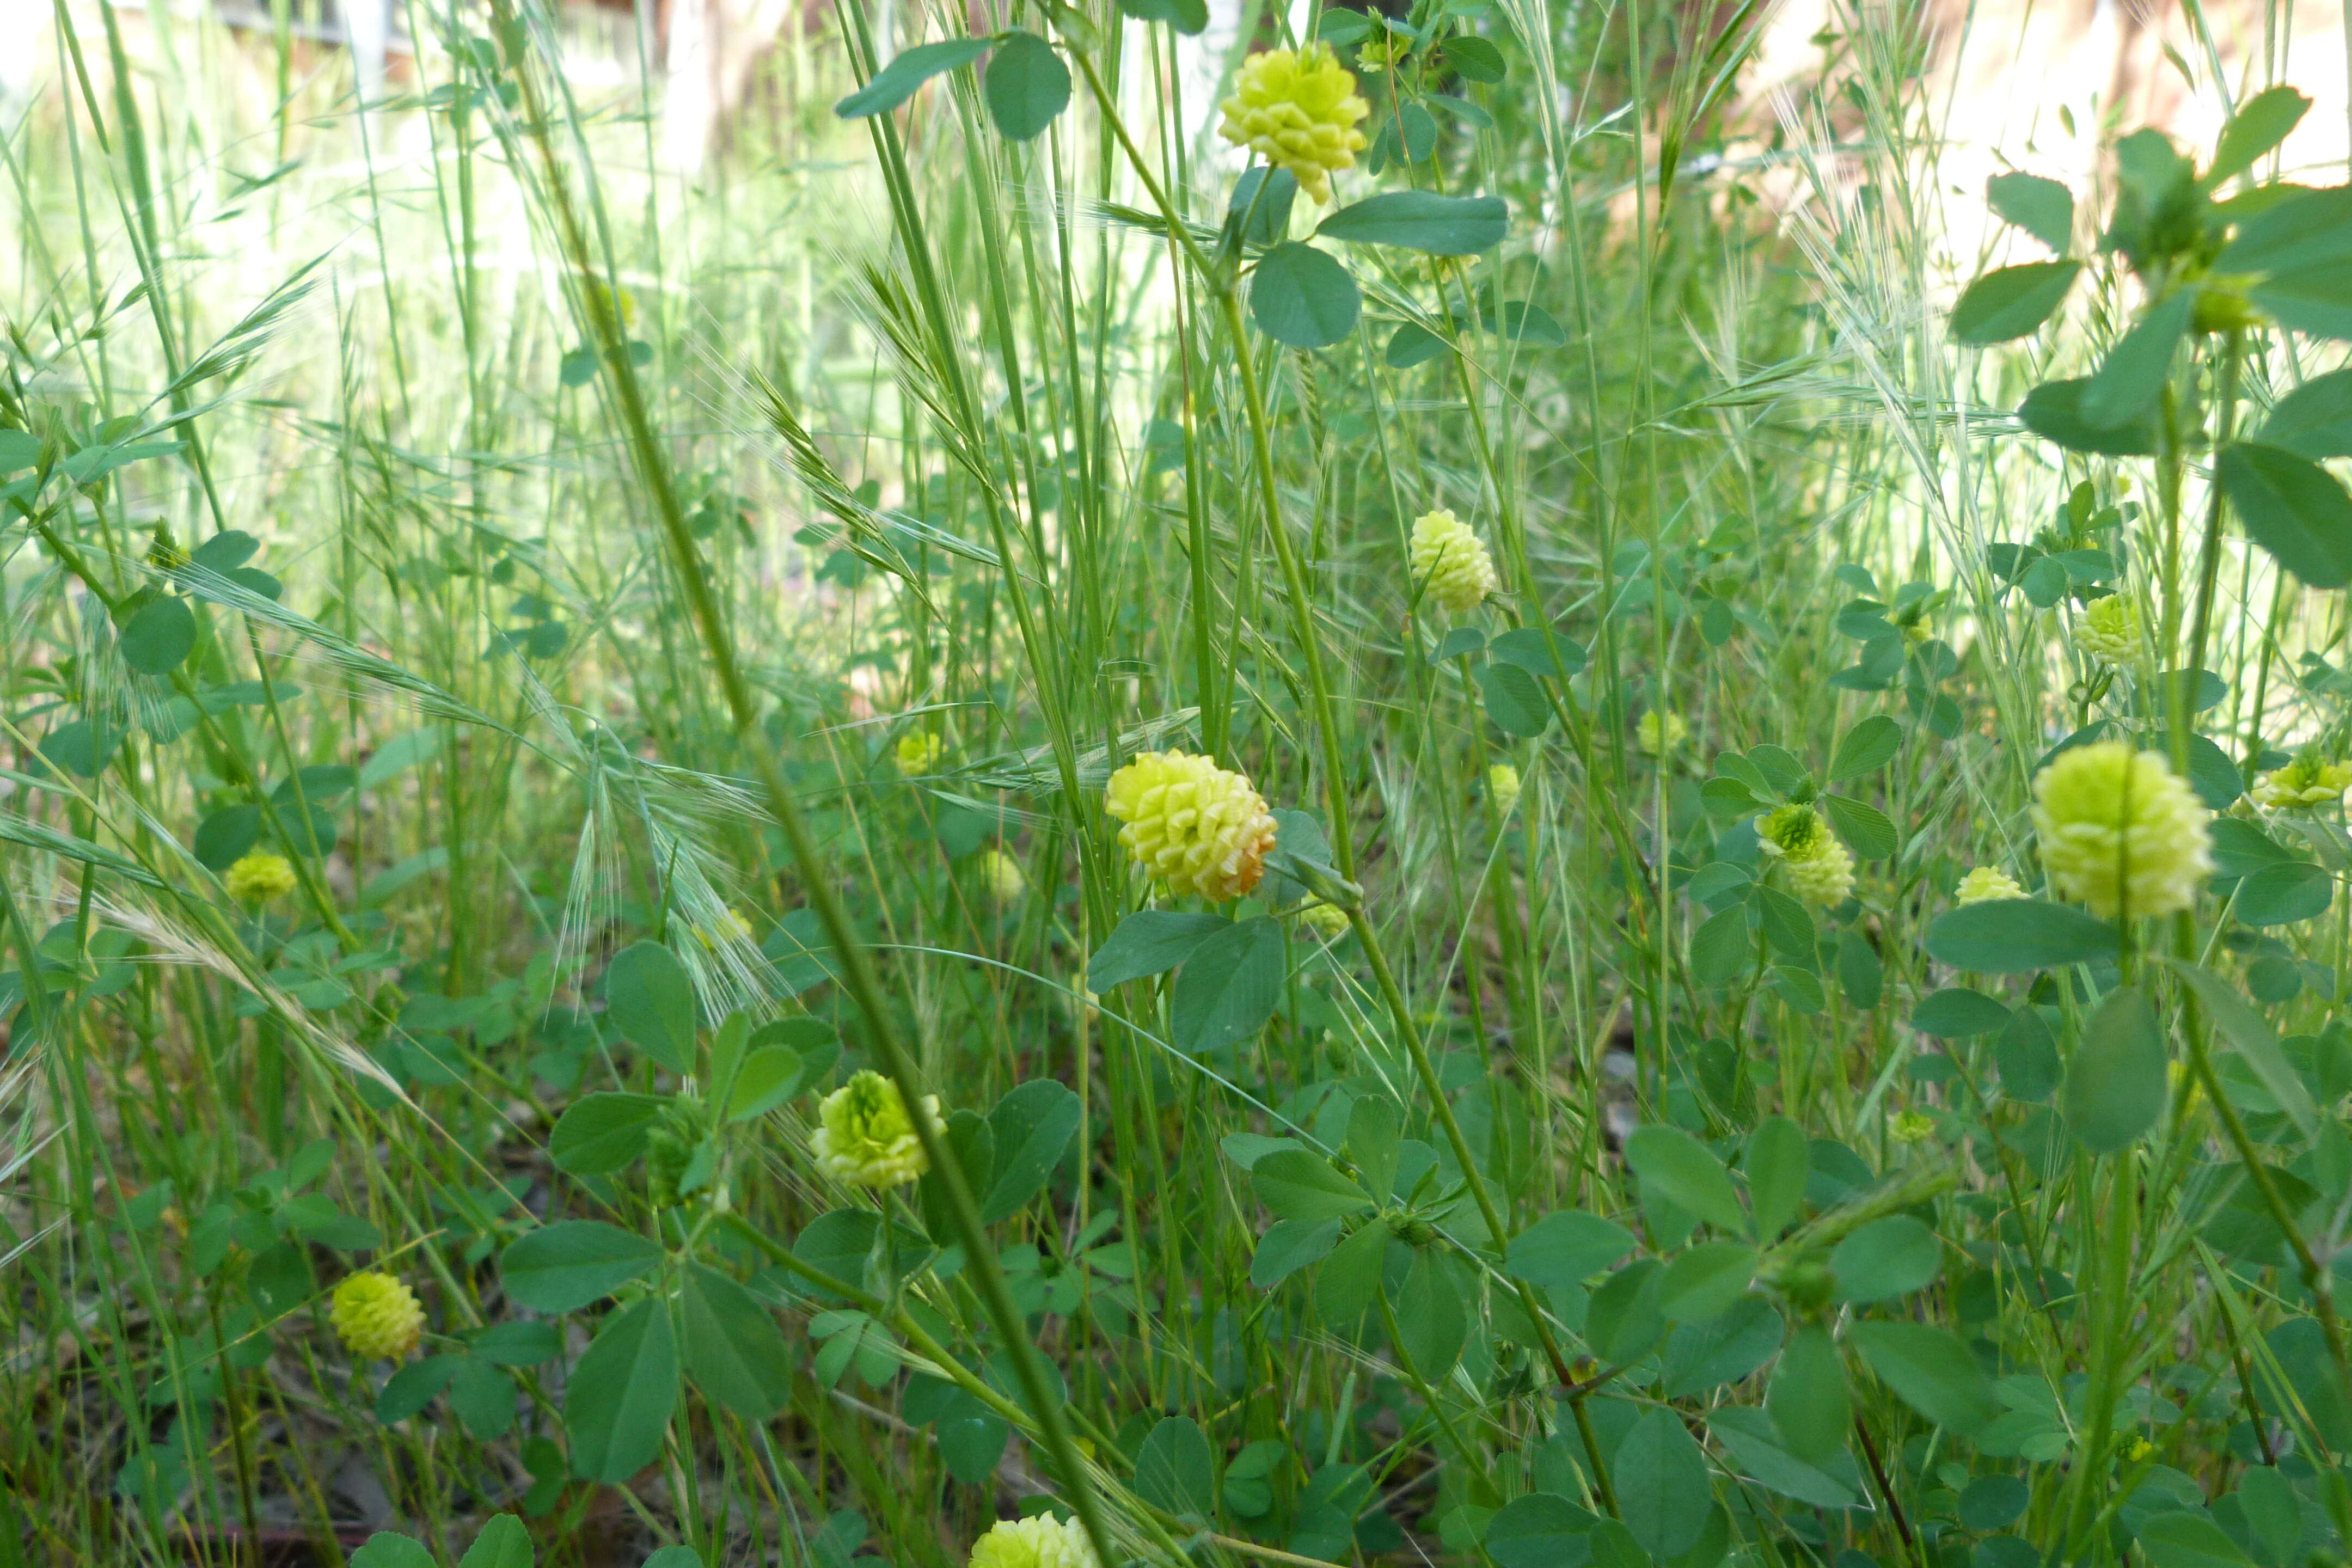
pixel 1441 811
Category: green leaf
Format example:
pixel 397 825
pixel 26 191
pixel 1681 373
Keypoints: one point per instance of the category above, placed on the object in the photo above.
pixel 2315 420
pixel 414 1386
pixel 895 83
pixel 1663 1491
pixel 2212 774
pixel 1175 1469
pixel 1866 748
pixel 1423 221
pixel 2284 894
pixel 1622 1323
pixel 1298 1183
pixel 1432 1324
pixel 1267 215
pixel 1931 1371
pixel 1722 948
pixel 1473 58
pixel 1026 85
pixel 769 1076
pixel 1533 651
pixel 385 1550
pixel 1351 1275
pixel 19 449
pixel 1303 297
pixel 1540 1530
pixel 160 636
pixel 1757 1449
pixel 972 1438
pixel 484 1399
pixel 1864 828
pixel 2042 208
pixel 2011 936
pixel 603 1133
pixel 504 1543
pixel 516 1343
pixel 674 1557
pixel 1859 974
pixel 2123 390
pixel 1412 343
pixel 1187 16
pixel 1566 1248
pixel 2188 1541
pixel 1807 1402
pixel 1375 1126
pixel 1703 1281
pixel 2012 302
pixel 1030 1128
pixel 2115 1085
pixel 1724 1348
pixel 2260 123
pixel 2026 1058
pixel 2293 508
pixel 1778 1164
pixel 1229 987
pixel 1147 942
pixel 617 1404
pixel 1514 702
pixel 651 1002
pixel 225 837
pixel 1957 1012
pixel 1677 1167
pixel 2251 1038
pixel 734 1352
pixel 2053 411
pixel 563 1267
pixel 1289 1246
pixel 1890 1256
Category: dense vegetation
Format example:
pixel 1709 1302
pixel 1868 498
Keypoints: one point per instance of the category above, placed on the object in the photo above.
pixel 1739 961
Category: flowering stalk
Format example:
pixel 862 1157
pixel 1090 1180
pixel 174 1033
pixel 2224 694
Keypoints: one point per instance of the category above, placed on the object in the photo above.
pixel 1343 850
pixel 858 977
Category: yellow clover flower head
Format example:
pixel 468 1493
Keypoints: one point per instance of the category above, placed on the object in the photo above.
pixel 1819 868
pixel 1298 110
pixel 918 752
pixel 1043 1541
pixel 257 878
pixel 1657 732
pixel 1001 874
pixel 2108 629
pixel 1912 1127
pixel 1986 883
pixel 2307 781
pixel 865 1136
pixel 376 1316
pixel 1192 824
pixel 1328 921
pixel 2120 831
pixel 1450 561
pixel 1503 786
pixel 732 925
